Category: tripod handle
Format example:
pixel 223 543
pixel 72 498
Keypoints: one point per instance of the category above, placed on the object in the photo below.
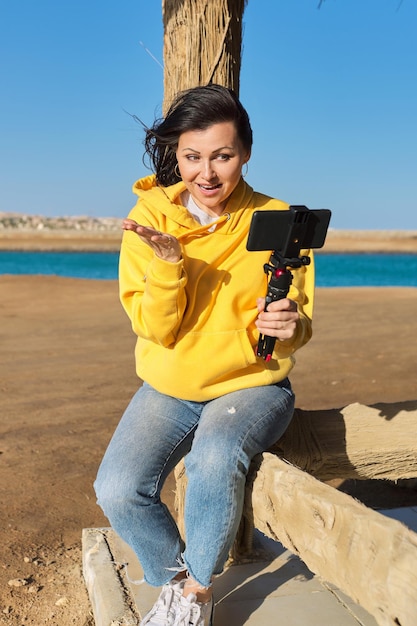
pixel 278 288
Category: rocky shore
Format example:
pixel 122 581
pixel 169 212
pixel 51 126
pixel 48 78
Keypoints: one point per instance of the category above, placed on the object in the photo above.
pixel 36 232
pixel 20 222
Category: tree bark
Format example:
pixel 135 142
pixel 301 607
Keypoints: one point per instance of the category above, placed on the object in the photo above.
pixel 354 442
pixel 202 44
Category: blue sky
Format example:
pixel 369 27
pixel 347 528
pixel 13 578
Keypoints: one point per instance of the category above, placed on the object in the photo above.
pixel 331 93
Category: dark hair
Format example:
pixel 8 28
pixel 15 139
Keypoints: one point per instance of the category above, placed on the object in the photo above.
pixel 194 109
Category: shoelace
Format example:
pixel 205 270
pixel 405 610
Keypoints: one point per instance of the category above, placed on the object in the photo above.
pixel 163 609
pixel 192 613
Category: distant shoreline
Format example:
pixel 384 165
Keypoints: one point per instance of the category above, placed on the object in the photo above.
pixel 36 233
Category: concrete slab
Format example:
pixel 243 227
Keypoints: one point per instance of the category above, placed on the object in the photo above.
pixel 252 594
pixel 277 589
pixel 106 586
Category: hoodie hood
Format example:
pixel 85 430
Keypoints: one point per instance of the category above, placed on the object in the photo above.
pixel 167 200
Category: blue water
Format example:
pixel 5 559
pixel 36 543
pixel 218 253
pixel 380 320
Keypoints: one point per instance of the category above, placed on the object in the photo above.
pixel 366 270
pixel 97 265
pixel 332 270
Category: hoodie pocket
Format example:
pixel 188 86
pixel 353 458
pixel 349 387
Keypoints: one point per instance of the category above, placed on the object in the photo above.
pixel 219 355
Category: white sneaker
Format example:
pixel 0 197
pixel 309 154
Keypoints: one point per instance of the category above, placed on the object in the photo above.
pixel 165 609
pixel 193 613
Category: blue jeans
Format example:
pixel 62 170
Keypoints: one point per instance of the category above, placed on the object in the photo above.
pixel 219 439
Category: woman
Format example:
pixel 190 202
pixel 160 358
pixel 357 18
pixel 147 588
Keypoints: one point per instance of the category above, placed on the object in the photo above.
pixel 195 298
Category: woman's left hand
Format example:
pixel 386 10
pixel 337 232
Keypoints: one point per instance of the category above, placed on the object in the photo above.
pixel 165 246
pixel 280 320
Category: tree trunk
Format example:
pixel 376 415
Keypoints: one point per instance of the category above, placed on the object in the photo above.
pixel 366 555
pixel 202 44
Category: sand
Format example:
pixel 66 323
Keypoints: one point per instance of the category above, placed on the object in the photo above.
pixel 67 372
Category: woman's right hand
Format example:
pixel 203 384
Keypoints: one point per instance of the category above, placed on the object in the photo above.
pixel 165 246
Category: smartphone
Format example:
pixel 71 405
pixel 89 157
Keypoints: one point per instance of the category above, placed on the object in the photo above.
pixel 288 231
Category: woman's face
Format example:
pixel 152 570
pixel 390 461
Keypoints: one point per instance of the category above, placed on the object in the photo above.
pixel 210 163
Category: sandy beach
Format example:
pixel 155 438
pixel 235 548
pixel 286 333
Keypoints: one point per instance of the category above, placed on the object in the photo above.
pixel 67 372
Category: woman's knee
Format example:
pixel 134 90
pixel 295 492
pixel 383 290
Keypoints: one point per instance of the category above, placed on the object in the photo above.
pixel 115 491
pixel 106 491
pixel 116 504
pixel 214 461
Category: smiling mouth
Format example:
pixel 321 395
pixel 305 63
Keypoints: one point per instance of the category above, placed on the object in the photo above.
pixel 210 187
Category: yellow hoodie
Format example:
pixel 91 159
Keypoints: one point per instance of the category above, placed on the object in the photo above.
pixel 195 319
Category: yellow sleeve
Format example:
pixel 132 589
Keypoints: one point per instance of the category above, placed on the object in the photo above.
pixel 152 291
